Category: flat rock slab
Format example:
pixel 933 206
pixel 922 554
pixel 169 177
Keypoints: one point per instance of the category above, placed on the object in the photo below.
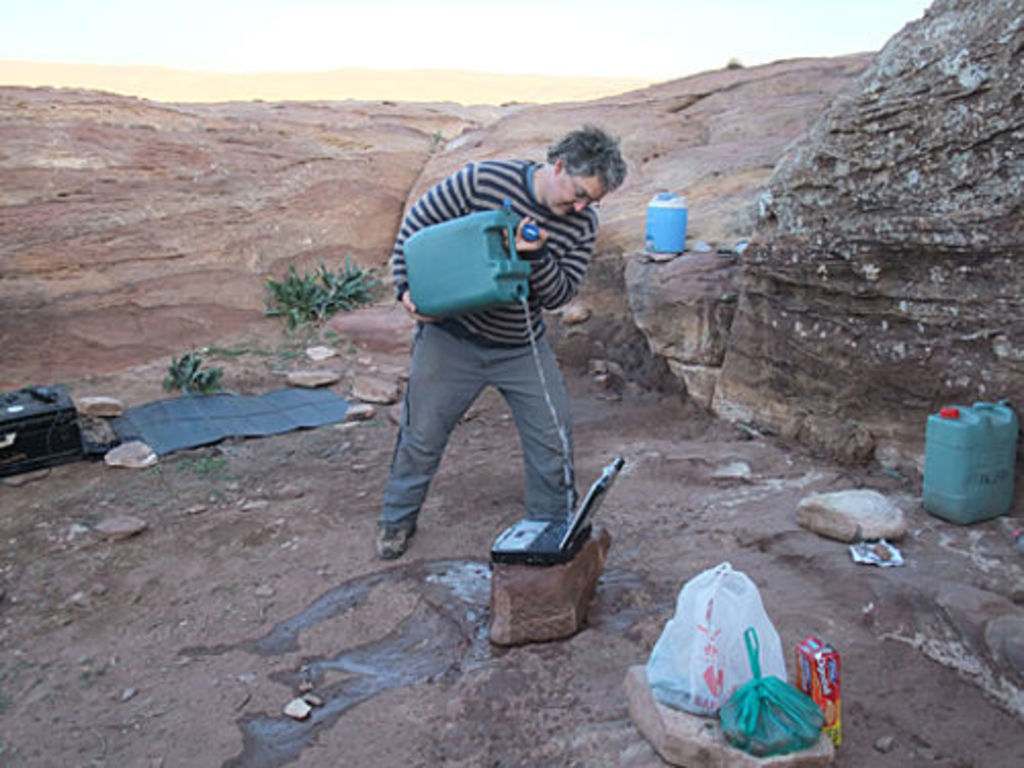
pixel 360 412
pixel 852 515
pixel 319 353
pixel 25 478
pixel 122 527
pixel 386 329
pixel 99 405
pixel 537 603
pixel 374 390
pixel 313 379
pixel 692 741
pixel 134 455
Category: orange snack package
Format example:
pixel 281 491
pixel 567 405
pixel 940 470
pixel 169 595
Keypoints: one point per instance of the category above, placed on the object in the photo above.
pixel 817 675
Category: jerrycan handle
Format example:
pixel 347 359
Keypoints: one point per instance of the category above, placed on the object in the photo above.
pixel 1003 403
pixel 530 231
pixel 508 225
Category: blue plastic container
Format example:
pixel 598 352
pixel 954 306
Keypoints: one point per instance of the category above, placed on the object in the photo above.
pixel 969 461
pixel 666 224
pixel 462 266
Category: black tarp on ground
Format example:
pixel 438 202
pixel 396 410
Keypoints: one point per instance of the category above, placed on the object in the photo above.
pixel 188 422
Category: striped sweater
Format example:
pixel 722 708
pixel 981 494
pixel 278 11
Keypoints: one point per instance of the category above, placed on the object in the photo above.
pixel 554 278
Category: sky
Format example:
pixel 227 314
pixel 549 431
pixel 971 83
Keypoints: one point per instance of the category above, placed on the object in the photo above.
pixel 656 39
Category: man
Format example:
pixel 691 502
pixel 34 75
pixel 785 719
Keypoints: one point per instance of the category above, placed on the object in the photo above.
pixel 455 358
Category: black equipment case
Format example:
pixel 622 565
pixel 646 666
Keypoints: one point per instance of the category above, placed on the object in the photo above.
pixel 38 428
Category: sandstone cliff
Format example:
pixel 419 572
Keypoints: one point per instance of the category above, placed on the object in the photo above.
pixel 887 280
pixel 131 230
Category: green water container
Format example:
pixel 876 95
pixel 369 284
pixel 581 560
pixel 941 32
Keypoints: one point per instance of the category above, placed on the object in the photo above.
pixel 969 461
pixel 463 265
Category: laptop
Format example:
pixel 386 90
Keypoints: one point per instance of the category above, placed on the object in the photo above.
pixel 550 542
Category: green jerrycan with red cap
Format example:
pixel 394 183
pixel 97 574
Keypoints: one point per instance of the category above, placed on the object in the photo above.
pixel 969 461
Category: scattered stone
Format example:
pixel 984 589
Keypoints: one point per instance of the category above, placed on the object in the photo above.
pixel 305 686
pixel 313 379
pixel 297 709
pixel 195 509
pixel 532 604
pixel 312 699
pixel 255 505
pixel 606 374
pixel 320 353
pixel 76 530
pixel 24 478
pixel 734 470
pixel 659 257
pixel 360 412
pixel 701 246
pixel 395 414
pixel 287 491
pixel 1004 638
pixel 684 739
pixel 134 455
pixel 384 330
pixel 575 314
pixel 128 693
pixel 885 744
pixel 976 613
pixel 116 528
pixel 79 600
pixel 852 515
pixel 685 309
pixel 105 407
pixel 371 390
pixel 264 590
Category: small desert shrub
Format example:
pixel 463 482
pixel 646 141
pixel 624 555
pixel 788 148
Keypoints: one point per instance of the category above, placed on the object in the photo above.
pixel 314 297
pixel 188 375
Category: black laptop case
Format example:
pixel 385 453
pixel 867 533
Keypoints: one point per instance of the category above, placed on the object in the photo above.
pixel 38 428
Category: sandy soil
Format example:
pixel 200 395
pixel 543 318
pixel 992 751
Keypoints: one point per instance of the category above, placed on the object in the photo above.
pixel 257 578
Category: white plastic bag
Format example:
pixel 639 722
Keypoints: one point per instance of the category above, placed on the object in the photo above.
pixel 701 659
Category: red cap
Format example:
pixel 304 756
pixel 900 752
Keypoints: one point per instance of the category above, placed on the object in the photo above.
pixel 949 413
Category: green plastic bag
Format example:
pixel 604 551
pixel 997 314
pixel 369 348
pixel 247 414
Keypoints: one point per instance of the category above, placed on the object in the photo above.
pixel 768 716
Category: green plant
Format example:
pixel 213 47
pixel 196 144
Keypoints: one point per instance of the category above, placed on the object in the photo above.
pixel 216 351
pixel 205 467
pixel 315 297
pixel 188 375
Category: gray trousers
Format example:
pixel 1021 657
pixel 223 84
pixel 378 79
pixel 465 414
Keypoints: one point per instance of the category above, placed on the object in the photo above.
pixel 445 376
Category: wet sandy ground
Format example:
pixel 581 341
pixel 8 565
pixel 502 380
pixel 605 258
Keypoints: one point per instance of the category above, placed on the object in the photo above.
pixel 257 579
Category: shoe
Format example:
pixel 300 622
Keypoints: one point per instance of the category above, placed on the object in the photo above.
pixel 392 542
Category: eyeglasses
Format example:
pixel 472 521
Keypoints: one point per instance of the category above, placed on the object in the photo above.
pixel 580 195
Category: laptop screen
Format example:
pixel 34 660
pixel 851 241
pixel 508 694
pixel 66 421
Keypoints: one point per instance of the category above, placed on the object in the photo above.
pixel 591 502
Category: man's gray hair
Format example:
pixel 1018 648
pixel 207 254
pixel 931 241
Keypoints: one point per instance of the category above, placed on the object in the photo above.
pixel 590 151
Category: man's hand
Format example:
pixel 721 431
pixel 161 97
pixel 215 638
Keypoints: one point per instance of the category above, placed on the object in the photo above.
pixel 411 309
pixel 527 249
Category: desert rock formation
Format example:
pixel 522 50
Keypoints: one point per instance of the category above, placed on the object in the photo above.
pixel 882 281
pixel 887 278
pixel 132 230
